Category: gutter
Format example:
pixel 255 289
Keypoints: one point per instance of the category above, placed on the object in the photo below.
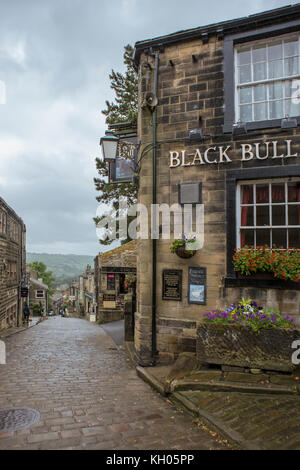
pixel 230 26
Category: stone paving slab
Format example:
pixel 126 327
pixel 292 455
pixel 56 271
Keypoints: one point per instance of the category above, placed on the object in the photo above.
pixel 88 395
pixel 11 331
pixel 251 420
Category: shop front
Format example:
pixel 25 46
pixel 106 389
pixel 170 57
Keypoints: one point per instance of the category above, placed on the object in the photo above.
pixel 115 279
pixel 224 136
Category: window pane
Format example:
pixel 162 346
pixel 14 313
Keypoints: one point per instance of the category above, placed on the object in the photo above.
pixel 245 74
pixel 260 111
pixel 260 93
pixel 246 113
pixel 247 216
pixel 278 193
pixel 294 214
pixel 262 237
pixel 278 215
pixel 294 238
pixel 291 48
pixel 294 192
pixel 276 69
pixel 247 238
pixel 247 194
pixel 276 109
pixel 262 216
pixel 262 193
pixel 260 71
pixel 276 90
pixel 291 66
pixel 279 238
pixel 259 53
pixel 288 88
pixel 244 56
pixel 246 95
pixel 292 108
pixel 275 51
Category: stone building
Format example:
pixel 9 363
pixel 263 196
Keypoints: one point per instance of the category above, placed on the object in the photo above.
pixel 115 276
pixel 83 292
pixel 38 294
pixel 12 266
pixel 225 133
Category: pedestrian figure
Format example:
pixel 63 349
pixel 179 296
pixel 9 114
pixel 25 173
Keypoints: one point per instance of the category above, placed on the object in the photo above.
pixel 26 313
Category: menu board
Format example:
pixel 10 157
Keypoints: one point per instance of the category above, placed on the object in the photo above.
pixel 172 284
pixel 197 286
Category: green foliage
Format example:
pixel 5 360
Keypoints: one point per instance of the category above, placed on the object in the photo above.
pixel 125 86
pixel 182 242
pixel 46 276
pixel 283 263
pixel 64 267
pixel 124 109
pixel 248 315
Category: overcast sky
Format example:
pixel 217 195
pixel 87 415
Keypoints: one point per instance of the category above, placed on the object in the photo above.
pixel 55 58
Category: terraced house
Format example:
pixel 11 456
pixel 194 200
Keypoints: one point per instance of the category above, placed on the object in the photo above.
pixel 12 266
pixel 219 116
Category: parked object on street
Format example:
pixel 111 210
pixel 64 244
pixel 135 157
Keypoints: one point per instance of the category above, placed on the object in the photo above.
pixel 51 314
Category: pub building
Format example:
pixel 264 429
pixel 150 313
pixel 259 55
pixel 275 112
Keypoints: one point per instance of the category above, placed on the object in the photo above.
pixel 219 115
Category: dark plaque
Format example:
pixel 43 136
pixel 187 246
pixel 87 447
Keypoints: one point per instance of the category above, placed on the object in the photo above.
pixel 197 286
pixel 172 284
pixel 109 298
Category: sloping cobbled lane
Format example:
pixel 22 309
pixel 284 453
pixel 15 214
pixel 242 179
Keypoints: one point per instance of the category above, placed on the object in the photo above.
pixel 88 395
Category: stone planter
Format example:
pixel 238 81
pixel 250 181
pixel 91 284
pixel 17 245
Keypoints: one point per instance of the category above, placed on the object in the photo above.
pixel 232 345
pixel 183 253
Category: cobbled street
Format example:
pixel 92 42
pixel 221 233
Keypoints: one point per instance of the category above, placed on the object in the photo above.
pixel 88 395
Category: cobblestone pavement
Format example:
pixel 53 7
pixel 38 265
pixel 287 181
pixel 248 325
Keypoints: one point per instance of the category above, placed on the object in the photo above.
pixel 268 421
pixel 88 395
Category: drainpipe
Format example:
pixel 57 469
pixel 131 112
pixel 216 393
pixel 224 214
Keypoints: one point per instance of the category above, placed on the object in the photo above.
pixel 154 201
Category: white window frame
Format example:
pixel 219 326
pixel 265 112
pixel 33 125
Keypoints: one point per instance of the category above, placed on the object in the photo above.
pixel 38 296
pixel 239 205
pixel 267 81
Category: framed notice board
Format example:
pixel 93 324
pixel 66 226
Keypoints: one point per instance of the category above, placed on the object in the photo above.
pixel 172 284
pixel 197 286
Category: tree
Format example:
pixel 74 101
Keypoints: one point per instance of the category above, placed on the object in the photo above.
pixel 125 86
pixel 123 109
pixel 46 276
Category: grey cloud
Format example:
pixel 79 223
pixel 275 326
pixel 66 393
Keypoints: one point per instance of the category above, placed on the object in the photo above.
pixel 55 58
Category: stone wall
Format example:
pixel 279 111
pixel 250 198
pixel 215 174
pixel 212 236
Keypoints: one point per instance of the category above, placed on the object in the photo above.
pixel 12 253
pixel 191 95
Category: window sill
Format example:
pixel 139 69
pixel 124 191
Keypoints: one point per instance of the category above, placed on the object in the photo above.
pixel 258 125
pixel 261 284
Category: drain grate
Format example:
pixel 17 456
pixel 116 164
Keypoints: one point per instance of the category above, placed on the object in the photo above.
pixel 18 418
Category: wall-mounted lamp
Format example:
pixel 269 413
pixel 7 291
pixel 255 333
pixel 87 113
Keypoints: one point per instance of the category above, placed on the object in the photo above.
pixel 196 135
pixel 288 123
pixel 239 128
pixel 109 146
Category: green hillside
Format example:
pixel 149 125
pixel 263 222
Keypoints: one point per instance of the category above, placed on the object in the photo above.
pixel 64 267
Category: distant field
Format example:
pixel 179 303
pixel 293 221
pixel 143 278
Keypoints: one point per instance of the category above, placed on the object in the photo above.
pixel 63 267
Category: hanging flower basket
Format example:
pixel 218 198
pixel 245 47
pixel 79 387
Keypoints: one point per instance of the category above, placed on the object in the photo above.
pixel 182 246
pixel 183 253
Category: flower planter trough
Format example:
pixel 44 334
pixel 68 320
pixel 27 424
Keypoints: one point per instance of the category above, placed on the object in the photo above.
pixel 232 345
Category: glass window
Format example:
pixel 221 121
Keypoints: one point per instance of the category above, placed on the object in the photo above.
pixel 267 73
pixel 269 213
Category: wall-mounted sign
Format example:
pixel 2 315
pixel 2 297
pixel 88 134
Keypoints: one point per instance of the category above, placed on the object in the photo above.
pixel 197 286
pixel 172 284
pixel 222 154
